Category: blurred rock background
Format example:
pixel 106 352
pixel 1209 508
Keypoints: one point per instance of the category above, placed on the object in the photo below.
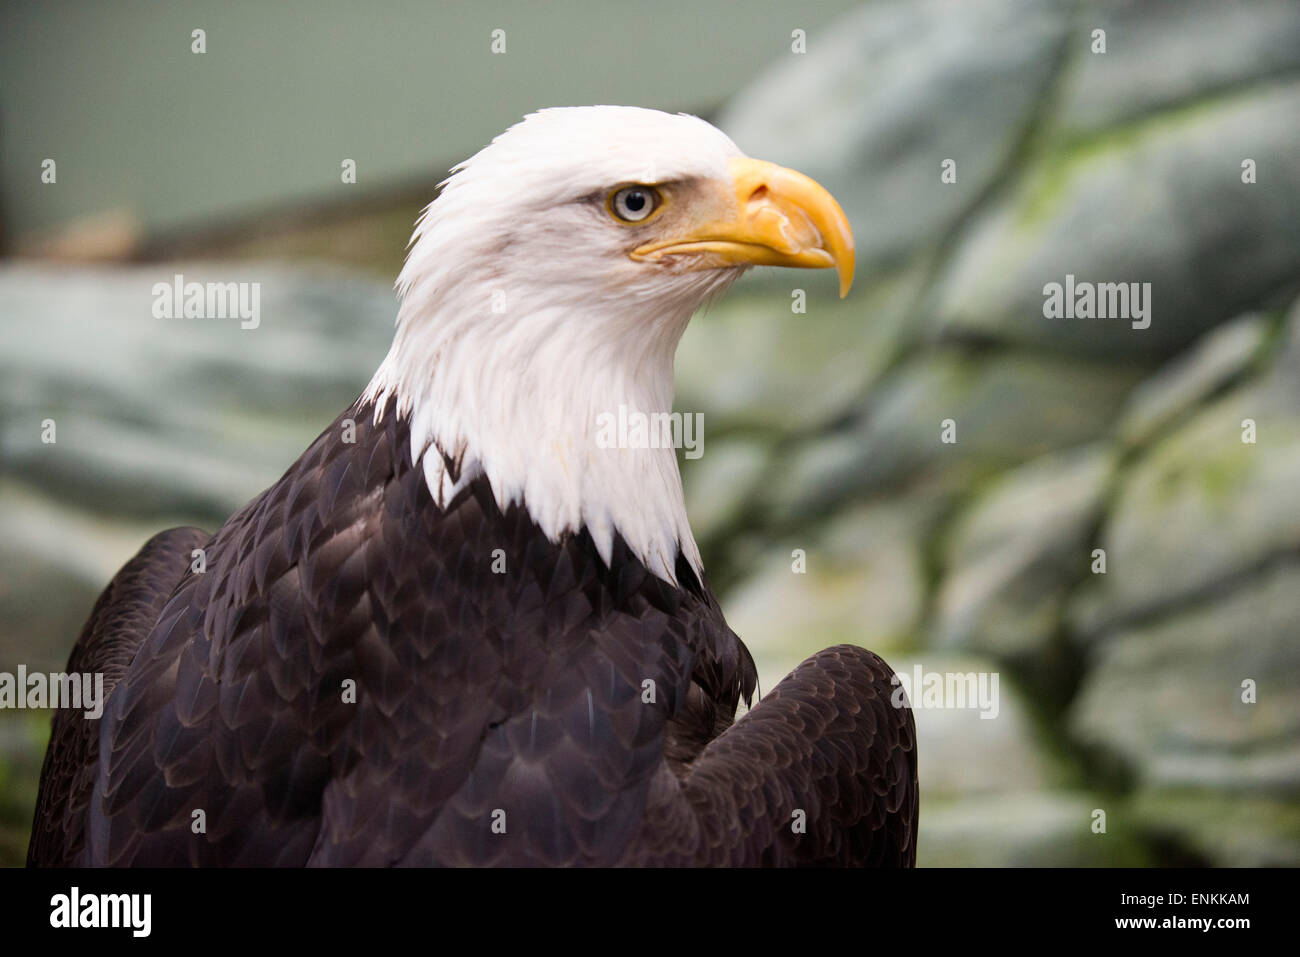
pixel 1119 691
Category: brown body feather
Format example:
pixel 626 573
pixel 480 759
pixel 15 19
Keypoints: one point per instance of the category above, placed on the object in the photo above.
pixel 501 715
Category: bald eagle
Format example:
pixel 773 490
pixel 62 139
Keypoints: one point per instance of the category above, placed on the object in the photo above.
pixel 458 630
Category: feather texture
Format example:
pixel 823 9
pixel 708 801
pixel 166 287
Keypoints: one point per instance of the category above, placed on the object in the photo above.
pixel 517 701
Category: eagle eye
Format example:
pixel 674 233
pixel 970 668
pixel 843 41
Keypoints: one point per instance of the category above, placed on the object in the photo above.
pixel 634 204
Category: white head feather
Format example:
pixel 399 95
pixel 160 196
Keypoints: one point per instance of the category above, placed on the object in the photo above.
pixel 523 319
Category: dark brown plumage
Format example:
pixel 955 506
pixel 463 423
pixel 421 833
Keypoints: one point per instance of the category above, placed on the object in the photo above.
pixel 477 692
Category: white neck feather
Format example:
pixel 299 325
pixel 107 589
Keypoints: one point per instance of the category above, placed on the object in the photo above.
pixel 517 396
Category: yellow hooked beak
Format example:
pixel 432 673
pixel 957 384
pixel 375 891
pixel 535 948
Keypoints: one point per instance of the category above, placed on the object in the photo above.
pixel 773 217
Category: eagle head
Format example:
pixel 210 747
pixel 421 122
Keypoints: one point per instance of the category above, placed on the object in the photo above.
pixel 550 282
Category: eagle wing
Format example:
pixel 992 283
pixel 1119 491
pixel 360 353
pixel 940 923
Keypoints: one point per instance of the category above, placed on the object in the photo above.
pixel 119 622
pixel 821 772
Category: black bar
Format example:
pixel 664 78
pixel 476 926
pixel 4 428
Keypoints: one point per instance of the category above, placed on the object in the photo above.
pixel 484 908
